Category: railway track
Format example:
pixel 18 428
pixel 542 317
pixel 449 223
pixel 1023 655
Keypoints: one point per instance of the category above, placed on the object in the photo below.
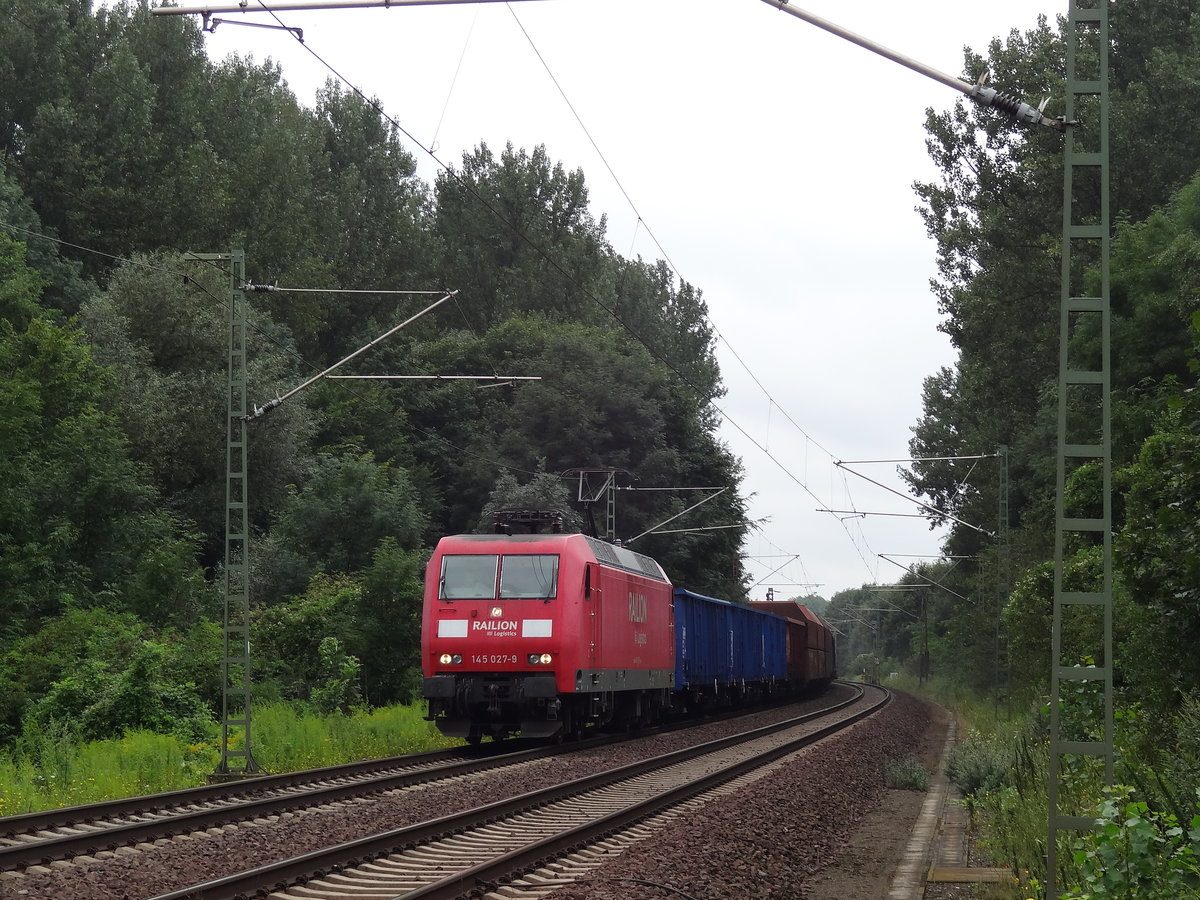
pixel 44 837
pixel 466 854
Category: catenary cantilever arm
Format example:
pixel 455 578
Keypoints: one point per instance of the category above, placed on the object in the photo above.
pixel 984 96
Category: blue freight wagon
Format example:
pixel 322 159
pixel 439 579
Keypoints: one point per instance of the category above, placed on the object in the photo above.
pixel 726 652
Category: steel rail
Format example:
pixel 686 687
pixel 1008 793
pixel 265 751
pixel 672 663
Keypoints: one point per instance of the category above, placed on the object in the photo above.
pixel 492 873
pixel 179 821
pixel 105 830
pixel 317 864
pixel 45 820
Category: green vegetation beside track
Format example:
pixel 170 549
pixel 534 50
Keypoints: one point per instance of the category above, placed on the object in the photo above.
pixel 1147 843
pixel 48 770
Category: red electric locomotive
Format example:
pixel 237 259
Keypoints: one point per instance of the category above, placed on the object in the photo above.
pixel 541 634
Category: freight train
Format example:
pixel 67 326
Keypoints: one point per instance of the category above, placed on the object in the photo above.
pixel 546 635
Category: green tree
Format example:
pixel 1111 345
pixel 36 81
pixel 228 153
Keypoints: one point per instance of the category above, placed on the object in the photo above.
pixel 78 519
pixel 518 235
pixel 604 402
pixel 87 147
pixel 998 268
pixel 387 636
pixel 288 635
pixel 542 491
pixel 373 616
pixel 336 521
pixel 96 672
pixel 63 288
pixel 1156 550
pixel 337 688
pixel 378 219
pixel 998 250
pixel 162 327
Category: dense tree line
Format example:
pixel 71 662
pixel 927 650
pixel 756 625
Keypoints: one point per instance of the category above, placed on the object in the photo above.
pixel 995 214
pixel 121 147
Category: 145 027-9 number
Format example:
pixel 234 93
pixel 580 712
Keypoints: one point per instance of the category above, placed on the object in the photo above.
pixel 492 659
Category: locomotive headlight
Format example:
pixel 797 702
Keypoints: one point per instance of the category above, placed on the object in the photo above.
pixel 545 659
pixel 447 659
pixel 534 659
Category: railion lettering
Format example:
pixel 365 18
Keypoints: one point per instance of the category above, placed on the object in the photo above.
pixel 494 625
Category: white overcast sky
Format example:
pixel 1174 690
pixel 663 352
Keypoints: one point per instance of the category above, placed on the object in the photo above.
pixel 772 160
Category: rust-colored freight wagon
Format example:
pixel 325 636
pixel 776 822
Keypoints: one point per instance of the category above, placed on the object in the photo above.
pixel 811 653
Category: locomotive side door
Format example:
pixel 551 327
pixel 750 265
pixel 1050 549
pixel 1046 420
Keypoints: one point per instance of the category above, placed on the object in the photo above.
pixel 594 593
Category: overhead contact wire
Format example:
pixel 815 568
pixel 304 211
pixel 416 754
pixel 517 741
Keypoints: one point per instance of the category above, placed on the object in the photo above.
pixel 368 399
pixel 544 254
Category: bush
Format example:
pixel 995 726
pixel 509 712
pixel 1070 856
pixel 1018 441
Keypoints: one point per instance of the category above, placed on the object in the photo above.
pixel 905 774
pixel 338 690
pixel 1137 852
pixel 100 705
pixel 1185 760
pixel 978 765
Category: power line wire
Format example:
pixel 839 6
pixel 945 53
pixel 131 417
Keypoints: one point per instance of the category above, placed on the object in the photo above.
pixel 538 249
pixel 641 222
pixel 368 399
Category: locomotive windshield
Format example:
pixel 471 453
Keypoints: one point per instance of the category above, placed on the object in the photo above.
pixel 473 576
pixel 534 576
pixel 469 577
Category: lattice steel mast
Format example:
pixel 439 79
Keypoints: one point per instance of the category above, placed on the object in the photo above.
pixel 237 755
pixel 1084 409
pixel 1084 436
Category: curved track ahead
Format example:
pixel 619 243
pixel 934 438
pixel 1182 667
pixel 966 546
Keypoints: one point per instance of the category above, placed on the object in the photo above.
pixel 464 854
pixel 44 837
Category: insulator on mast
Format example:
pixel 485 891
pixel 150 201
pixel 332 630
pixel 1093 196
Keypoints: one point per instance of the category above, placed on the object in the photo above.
pixel 1015 108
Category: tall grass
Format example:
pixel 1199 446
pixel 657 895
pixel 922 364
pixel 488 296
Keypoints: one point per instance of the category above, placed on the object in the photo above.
pixel 288 740
pixel 1001 766
pixel 48 770
pixel 983 714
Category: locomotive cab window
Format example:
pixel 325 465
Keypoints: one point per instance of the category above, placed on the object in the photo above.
pixel 533 576
pixel 468 577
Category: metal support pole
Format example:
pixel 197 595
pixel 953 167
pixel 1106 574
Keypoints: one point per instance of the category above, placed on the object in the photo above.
pixel 1078 735
pixel 237 756
pixel 1002 568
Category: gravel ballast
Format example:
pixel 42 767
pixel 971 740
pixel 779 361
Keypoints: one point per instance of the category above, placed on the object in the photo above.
pixel 740 845
pixel 768 839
